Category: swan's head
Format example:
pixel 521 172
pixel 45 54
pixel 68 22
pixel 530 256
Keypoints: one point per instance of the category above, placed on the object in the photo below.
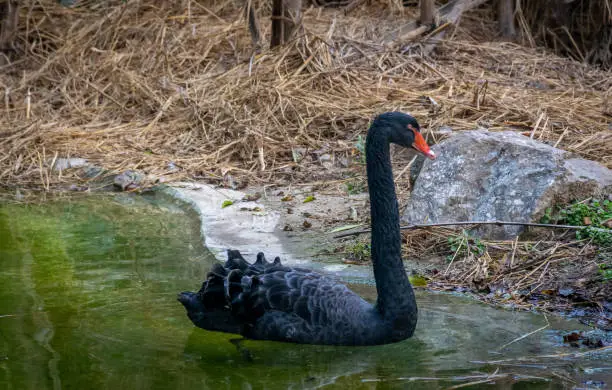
pixel 405 131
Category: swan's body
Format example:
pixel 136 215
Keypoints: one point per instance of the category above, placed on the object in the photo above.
pixel 269 301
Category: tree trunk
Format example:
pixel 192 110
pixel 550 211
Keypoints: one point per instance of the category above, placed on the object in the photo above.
pixel 427 12
pixel 9 19
pixel 253 23
pixel 505 15
pixel 285 19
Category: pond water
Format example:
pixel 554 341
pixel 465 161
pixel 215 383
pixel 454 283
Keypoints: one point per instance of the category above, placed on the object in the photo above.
pixel 88 301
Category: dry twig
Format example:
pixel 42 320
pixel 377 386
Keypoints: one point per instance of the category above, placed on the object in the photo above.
pixel 477 223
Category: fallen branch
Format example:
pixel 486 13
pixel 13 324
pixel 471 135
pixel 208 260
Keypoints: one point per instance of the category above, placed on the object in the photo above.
pixel 463 223
pixel 452 15
pixel 526 335
pixel 409 36
pixel 352 5
pixel 448 13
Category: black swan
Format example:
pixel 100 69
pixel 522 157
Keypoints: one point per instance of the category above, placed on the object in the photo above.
pixel 269 301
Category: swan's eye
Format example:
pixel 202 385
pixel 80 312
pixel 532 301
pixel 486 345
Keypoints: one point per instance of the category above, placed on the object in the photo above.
pixel 412 128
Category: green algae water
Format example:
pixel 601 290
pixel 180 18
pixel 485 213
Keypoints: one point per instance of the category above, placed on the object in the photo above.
pixel 88 301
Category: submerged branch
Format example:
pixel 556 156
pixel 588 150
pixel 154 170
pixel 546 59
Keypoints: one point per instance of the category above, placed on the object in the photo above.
pixel 463 223
pixel 536 358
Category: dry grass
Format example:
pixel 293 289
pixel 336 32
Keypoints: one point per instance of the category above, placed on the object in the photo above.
pixel 149 83
pixel 545 269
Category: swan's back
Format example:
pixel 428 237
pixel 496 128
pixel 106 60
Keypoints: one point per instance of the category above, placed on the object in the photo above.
pixel 272 302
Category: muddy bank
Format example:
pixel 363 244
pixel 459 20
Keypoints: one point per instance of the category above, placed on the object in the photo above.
pixel 292 224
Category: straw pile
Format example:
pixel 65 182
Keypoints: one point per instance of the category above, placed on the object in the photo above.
pixel 178 90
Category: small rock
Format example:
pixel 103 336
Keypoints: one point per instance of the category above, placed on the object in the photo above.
pixel 298 154
pixel 539 84
pixel 77 188
pixel 229 182
pixel 128 180
pixel 524 292
pixel 325 157
pixel 288 228
pixel 595 384
pixel 571 338
pixel 92 171
pixel 566 292
pixel 306 224
pixel 256 209
pixel 65 163
pixel 430 103
pixel 353 214
pixel 173 167
pixel 590 339
pixel 252 197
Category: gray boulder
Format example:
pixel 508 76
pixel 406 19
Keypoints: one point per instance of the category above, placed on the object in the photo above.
pixel 484 176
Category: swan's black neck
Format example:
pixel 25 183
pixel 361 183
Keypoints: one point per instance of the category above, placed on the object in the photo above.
pixel 395 296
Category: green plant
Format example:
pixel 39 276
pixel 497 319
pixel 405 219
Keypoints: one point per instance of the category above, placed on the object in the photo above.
pixel 547 217
pixel 463 244
pixel 605 270
pixel 360 146
pixel 417 280
pixel 355 186
pixel 309 198
pixel 594 214
pixel 358 251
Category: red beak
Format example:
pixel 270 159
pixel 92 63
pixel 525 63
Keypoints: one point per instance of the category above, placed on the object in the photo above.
pixel 421 145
